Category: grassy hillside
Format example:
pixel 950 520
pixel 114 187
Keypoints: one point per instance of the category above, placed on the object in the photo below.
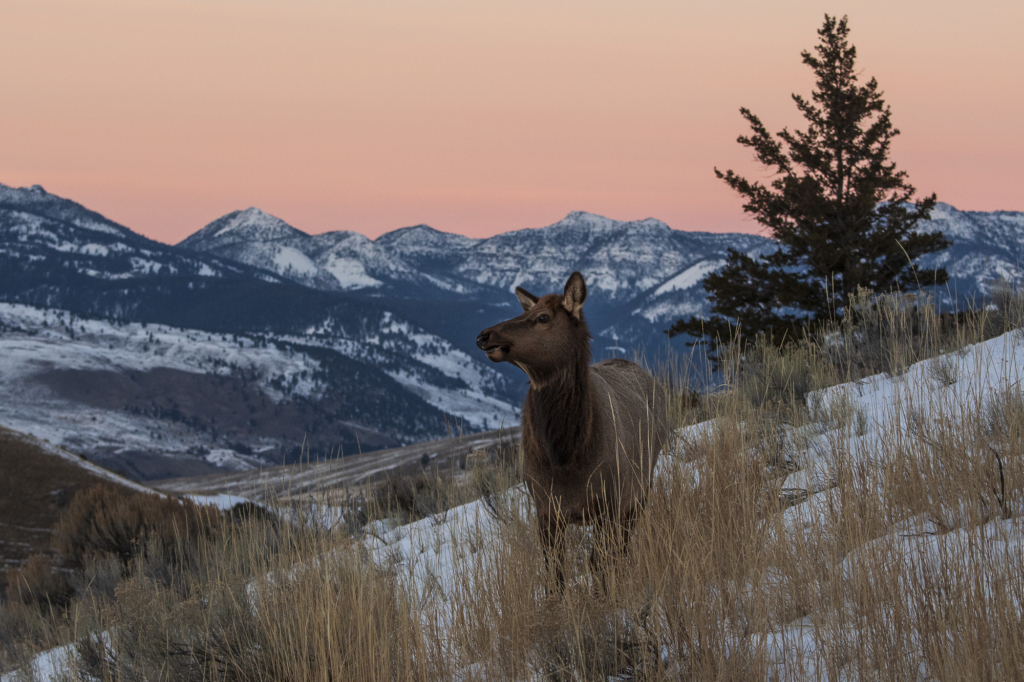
pixel 37 484
pixel 848 508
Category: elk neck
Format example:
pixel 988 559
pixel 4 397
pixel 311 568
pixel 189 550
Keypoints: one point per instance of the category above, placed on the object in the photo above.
pixel 561 411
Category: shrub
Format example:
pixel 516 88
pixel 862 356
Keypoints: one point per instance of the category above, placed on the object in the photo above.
pixel 413 497
pixel 100 522
pixel 38 583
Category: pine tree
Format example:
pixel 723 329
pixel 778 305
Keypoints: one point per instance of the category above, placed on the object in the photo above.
pixel 838 208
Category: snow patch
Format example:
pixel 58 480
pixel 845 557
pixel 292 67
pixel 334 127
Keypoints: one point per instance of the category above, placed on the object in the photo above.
pixel 690 277
pixel 291 261
pixel 350 273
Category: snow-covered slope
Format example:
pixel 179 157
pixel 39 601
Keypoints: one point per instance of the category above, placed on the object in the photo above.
pixel 861 427
pixel 986 247
pixel 158 401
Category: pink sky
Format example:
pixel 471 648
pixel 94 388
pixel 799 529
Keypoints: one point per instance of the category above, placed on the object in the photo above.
pixel 475 117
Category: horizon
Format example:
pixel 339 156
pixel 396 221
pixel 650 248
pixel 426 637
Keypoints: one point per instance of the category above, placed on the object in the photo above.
pixel 431 227
pixel 475 120
pixel 372 238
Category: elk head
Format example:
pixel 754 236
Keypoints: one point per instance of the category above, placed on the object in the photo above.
pixel 548 336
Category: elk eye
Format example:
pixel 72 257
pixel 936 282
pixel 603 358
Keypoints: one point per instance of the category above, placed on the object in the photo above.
pixel 543 318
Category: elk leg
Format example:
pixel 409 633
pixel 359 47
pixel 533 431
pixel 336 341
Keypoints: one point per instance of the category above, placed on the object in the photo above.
pixel 552 539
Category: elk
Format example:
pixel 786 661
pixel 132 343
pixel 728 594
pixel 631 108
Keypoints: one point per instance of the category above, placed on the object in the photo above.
pixel 591 434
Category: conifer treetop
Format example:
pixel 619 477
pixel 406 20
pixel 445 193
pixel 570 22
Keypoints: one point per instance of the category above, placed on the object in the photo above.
pixel 843 215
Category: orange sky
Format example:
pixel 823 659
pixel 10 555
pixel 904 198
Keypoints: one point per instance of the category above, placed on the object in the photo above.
pixel 475 117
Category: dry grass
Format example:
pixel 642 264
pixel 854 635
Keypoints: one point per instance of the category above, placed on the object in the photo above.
pixel 901 560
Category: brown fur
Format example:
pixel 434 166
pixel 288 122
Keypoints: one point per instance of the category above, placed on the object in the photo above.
pixel 591 434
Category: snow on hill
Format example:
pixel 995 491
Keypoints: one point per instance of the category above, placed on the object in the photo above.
pixel 447 555
pixel 126 393
pixel 447 558
pixel 986 246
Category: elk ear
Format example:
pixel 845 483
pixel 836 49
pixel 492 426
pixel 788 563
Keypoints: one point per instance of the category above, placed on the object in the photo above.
pixel 526 299
pixel 575 294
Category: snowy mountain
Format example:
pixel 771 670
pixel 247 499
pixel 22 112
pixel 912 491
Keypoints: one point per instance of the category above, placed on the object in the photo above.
pixel 986 247
pixel 386 381
pixel 400 312
pixel 642 275
pixel 42 235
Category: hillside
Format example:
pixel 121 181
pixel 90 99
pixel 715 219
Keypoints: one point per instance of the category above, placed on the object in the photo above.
pixel 866 529
pixel 155 401
pixel 39 481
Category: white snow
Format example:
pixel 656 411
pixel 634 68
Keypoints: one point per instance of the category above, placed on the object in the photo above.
pixel 670 310
pixel 427 553
pixel 291 261
pixel 689 277
pixel 51 665
pixel 229 459
pixel 349 273
pixel 222 501
pixel 94 250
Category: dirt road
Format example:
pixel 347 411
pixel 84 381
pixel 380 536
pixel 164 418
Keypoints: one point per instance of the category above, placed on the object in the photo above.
pixel 352 471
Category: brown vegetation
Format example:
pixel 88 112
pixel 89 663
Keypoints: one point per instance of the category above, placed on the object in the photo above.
pixel 35 488
pixel 101 523
pixel 906 566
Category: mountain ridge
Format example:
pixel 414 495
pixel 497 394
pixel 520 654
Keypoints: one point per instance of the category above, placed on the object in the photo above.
pixel 400 311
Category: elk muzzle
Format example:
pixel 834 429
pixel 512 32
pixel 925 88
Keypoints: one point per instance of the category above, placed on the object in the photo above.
pixel 497 349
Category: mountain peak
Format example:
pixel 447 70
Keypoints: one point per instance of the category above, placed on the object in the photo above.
pixel 594 222
pixel 255 220
pixel 584 215
pixel 423 236
pixel 250 225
